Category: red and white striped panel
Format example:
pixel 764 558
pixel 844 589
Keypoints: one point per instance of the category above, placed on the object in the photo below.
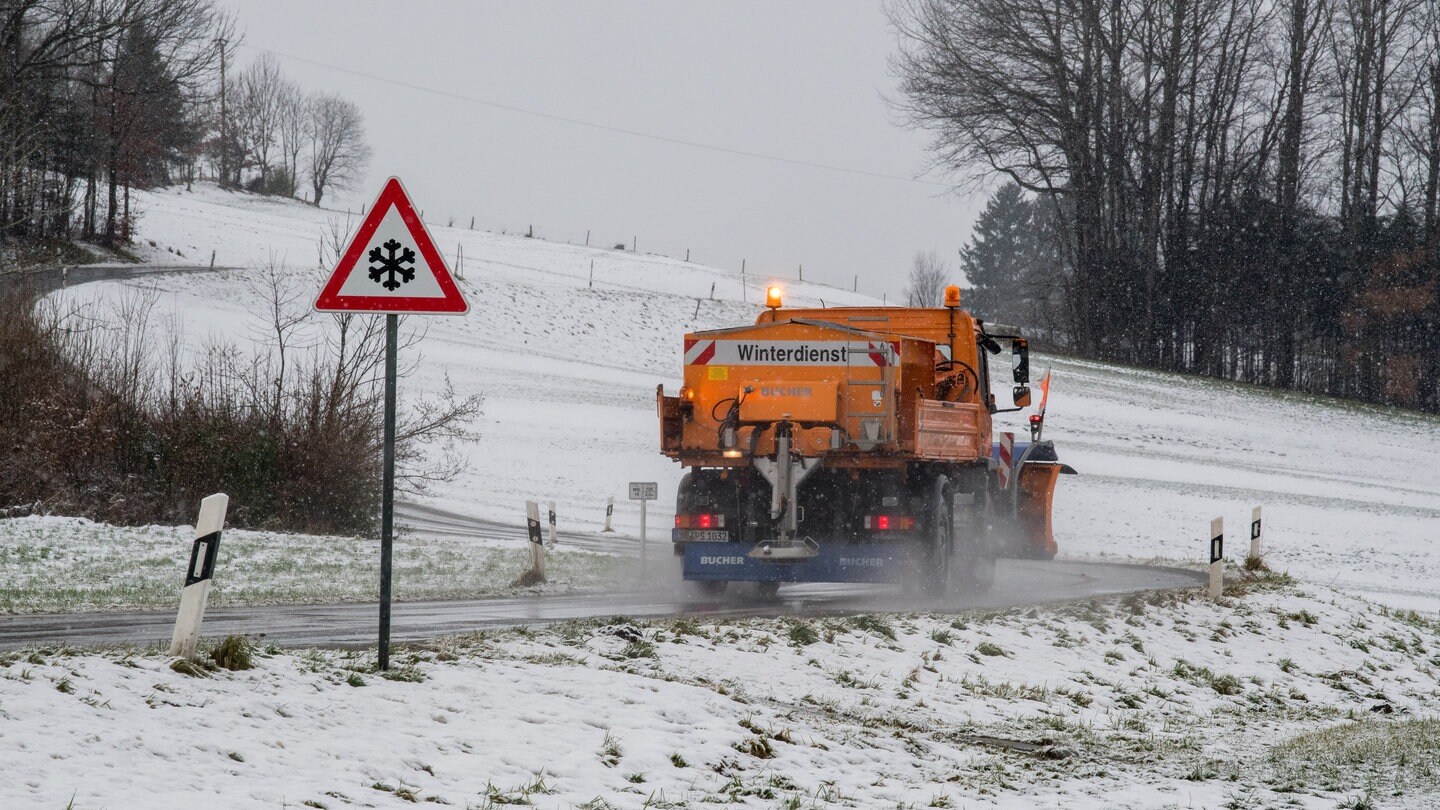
pixel 700 352
pixel 1007 458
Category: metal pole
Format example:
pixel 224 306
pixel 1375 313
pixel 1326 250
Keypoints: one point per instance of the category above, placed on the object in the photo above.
pixel 387 503
pixel 642 540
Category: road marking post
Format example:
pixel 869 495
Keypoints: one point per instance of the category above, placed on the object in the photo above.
pixel 1217 557
pixel 553 539
pixel 1255 533
pixel 609 513
pixel 537 543
pixel 198 575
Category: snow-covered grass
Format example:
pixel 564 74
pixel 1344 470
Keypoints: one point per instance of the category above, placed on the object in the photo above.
pixel 56 564
pixel 1284 694
pixel 1279 695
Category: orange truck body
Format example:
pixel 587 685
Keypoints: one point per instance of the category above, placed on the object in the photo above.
pixel 887 398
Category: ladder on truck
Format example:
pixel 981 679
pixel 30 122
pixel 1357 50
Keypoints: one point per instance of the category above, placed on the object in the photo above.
pixel 877 427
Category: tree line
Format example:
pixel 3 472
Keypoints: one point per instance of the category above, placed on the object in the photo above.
pixel 1248 189
pixel 101 96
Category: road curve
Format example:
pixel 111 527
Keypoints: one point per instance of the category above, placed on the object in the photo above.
pixel 1018 583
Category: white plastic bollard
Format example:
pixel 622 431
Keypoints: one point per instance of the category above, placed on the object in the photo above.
pixel 1217 557
pixel 203 553
pixel 1255 533
pixel 609 513
pixel 537 543
pixel 553 538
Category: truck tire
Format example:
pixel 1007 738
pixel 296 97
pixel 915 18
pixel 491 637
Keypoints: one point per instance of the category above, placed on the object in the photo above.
pixel 975 545
pixel 939 537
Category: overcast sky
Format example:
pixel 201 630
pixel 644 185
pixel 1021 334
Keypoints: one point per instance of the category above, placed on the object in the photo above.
pixel 803 81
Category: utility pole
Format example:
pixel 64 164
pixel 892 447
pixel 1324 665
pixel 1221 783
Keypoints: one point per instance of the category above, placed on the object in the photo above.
pixel 224 133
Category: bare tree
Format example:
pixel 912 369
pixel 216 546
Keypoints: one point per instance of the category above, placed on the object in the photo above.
pixel 338 152
pixel 292 135
pixel 258 111
pixel 928 277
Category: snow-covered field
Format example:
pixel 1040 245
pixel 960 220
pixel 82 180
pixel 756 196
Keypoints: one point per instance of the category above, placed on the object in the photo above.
pixel 1172 704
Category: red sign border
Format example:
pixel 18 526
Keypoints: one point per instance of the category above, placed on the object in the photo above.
pixel 330 299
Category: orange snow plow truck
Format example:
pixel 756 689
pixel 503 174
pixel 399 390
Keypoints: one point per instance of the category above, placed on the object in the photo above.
pixel 854 445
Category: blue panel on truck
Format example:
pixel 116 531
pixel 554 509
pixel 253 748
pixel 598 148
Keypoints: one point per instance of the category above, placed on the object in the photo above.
pixel 836 562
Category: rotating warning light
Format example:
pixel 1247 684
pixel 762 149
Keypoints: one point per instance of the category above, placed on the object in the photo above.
pixel 772 296
pixel 952 297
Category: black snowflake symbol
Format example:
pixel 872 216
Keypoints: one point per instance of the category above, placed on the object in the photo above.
pixel 392 265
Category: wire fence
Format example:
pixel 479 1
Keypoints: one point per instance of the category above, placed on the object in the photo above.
pixel 755 274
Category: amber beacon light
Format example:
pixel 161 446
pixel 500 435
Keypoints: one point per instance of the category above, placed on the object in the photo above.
pixel 772 296
pixel 952 297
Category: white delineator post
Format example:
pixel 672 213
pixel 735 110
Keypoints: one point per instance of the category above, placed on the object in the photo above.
pixel 1255 533
pixel 197 576
pixel 553 539
pixel 609 513
pixel 537 543
pixel 1217 557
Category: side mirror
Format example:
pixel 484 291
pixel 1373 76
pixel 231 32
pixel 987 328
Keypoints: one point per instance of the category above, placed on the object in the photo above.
pixel 1020 360
pixel 1022 396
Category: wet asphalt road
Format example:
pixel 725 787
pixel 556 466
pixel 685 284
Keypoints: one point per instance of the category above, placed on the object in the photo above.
pixel 1018 583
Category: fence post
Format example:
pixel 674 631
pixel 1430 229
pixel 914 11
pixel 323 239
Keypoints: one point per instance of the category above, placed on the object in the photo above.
pixel 197 576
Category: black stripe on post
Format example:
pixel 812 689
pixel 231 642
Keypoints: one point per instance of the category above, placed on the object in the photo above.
pixel 1254 529
pixel 1217 548
pixel 533 525
pixel 202 558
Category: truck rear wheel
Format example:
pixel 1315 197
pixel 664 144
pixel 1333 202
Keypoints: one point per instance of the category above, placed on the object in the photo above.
pixel 975 547
pixel 939 537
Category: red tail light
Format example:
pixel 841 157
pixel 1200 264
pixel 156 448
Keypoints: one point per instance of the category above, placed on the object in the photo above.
pixel 704 520
pixel 888 523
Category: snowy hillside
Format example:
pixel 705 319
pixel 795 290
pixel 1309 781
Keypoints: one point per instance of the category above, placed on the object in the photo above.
pixel 568 367
pixel 1281 694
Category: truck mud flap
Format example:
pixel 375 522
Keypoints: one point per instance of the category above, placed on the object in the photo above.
pixel 836 562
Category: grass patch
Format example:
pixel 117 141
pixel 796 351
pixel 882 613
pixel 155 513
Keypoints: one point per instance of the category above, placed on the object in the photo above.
pixel 233 653
pixel 990 648
pixel 873 624
pixel 1376 755
pixel 54 565
pixel 801 633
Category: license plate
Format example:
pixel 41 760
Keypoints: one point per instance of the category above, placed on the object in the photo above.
pixel 705 535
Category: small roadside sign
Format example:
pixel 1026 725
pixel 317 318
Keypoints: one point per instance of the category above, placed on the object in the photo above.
pixel 391 265
pixel 644 491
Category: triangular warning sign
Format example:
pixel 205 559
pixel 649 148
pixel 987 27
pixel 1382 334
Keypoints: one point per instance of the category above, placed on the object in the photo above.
pixel 392 265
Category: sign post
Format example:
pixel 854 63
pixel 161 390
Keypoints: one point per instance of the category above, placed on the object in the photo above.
pixel 402 274
pixel 643 491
